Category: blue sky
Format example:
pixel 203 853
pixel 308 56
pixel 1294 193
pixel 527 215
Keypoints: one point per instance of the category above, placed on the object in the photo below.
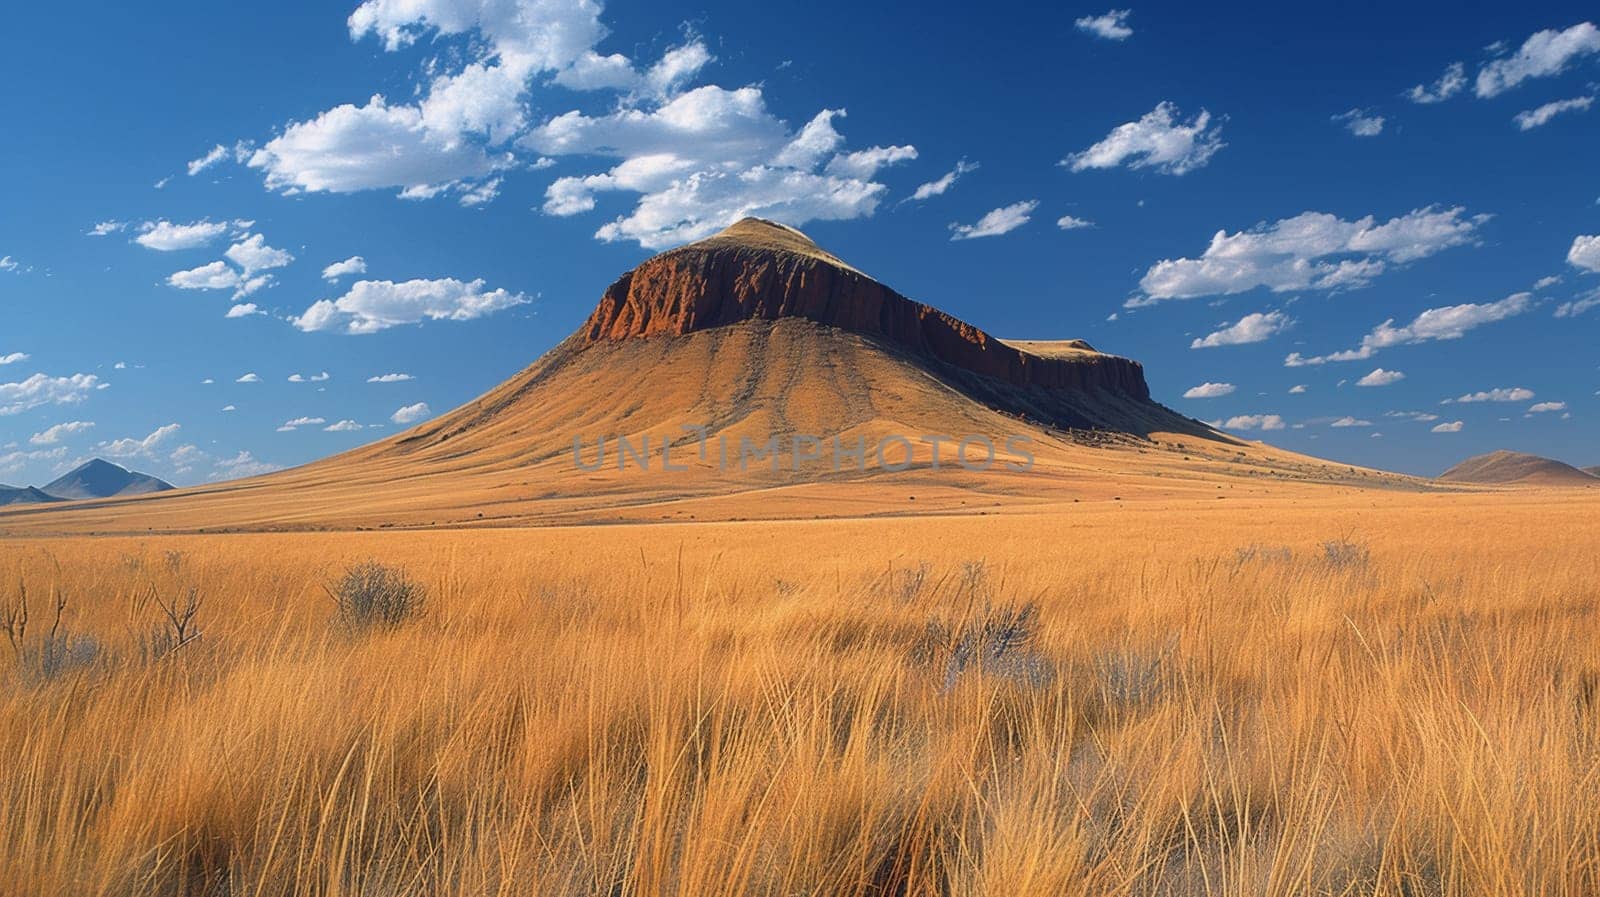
pixel 1313 230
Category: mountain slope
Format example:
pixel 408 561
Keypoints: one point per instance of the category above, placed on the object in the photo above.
pixel 1507 468
pixel 752 336
pixel 23 495
pixel 97 478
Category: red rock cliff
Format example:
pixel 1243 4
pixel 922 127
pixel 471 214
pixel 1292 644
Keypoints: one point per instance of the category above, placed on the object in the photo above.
pixel 758 270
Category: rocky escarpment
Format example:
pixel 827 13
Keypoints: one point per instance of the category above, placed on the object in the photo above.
pixel 759 270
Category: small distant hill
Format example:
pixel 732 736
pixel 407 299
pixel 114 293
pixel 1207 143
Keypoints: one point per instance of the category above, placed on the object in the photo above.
pixel 23 495
pixel 1592 471
pixel 98 478
pixel 1506 467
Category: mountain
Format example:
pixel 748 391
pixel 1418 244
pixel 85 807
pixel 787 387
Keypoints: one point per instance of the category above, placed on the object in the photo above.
pixel 753 336
pixel 1507 467
pixel 97 478
pixel 1592 471
pixel 23 495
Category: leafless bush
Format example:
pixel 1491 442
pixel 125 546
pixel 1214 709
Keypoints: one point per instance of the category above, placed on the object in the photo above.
pixel 57 653
pixel 177 626
pixel 995 641
pixel 373 596
pixel 1344 554
pixel 1265 554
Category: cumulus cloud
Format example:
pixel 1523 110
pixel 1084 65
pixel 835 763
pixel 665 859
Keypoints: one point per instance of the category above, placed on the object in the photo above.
pixel 1543 54
pixel 1000 221
pixel 166 236
pixel 314 378
pixel 1113 25
pixel 1254 422
pixel 355 264
pixel 217 155
pixel 243 464
pixel 1585 253
pixel 1313 250
pixel 1209 390
pixel 299 422
pixel 1545 407
pixel 390 378
pixel 410 414
pixel 707 158
pixel 243 310
pixel 135 448
pixel 1533 118
pixel 41 389
pixel 1159 140
pixel 1449 427
pixel 251 253
pixel 53 435
pixel 106 228
pixel 1070 222
pixel 374 305
pixel 251 377
pixel 213 276
pixel 1452 82
pixel 14 357
pixel 1252 328
pixel 1434 324
pixel 1381 377
pixel 1297 389
pixel 1499 394
pixel 1361 122
pixel 1577 306
pixel 1420 416
pixel 342 426
pixel 943 183
pixel 1345 422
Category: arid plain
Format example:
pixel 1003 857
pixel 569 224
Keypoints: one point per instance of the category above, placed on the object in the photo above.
pixel 1159 661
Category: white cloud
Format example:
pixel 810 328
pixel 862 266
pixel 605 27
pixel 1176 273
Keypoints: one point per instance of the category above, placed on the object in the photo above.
pixel 243 310
pixel 1577 306
pixel 343 426
pixel 1345 422
pixel 230 408
pixel 1545 282
pixel 53 435
pixel 1420 416
pixel 1069 222
pixel 374 305
pixel 1449 84
pixel 707 158
pixel 215 156
pixel 213 276
pixel 314 378
pixel 1533 118
pixel 253 254
pixel 410 414
pixel 1450 427
pixel 1499 394
pixel 1544 407
pixel 943 183
pixel 1252 328
pixel 7 263
pixel 12 462
pixel 1361 122
pixel 1209 390
pixel 1381 377
pixel 1003 220
pixel 1543 54
pixel 1313 250
pixel 243 464
pixel 1297 389
pixel 390 378
pixel 1160 140
pixel 14 357
pixel 1585 253
pixel 165 236
pixel 1254 422
pixel 41 389
pixel 105 228
pixel 134 448
pixel 1112 26
pixel 249 378
pixel 482 194
pixel 355 264
pixel 298 422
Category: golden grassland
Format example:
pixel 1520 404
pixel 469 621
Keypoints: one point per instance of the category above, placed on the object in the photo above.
pixel 1362 693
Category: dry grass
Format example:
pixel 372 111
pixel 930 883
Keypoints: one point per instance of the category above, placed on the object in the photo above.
pixel 736 709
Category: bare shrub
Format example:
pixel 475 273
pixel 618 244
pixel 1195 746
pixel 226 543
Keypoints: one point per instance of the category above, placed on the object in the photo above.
pixel 54 655
pixel 994 641
pixel 1344 554
pixel 1264 554
pixel 177 627
pixel 371 595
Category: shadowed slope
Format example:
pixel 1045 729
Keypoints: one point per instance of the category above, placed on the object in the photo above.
pixel 1507 467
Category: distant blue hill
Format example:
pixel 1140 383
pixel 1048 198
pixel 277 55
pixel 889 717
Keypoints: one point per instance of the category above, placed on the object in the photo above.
pixel 95 478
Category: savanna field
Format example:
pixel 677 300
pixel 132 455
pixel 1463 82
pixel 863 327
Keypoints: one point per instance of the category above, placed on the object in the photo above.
pixel 1363 693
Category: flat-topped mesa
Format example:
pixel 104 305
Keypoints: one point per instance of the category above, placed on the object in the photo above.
pixel 761 270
